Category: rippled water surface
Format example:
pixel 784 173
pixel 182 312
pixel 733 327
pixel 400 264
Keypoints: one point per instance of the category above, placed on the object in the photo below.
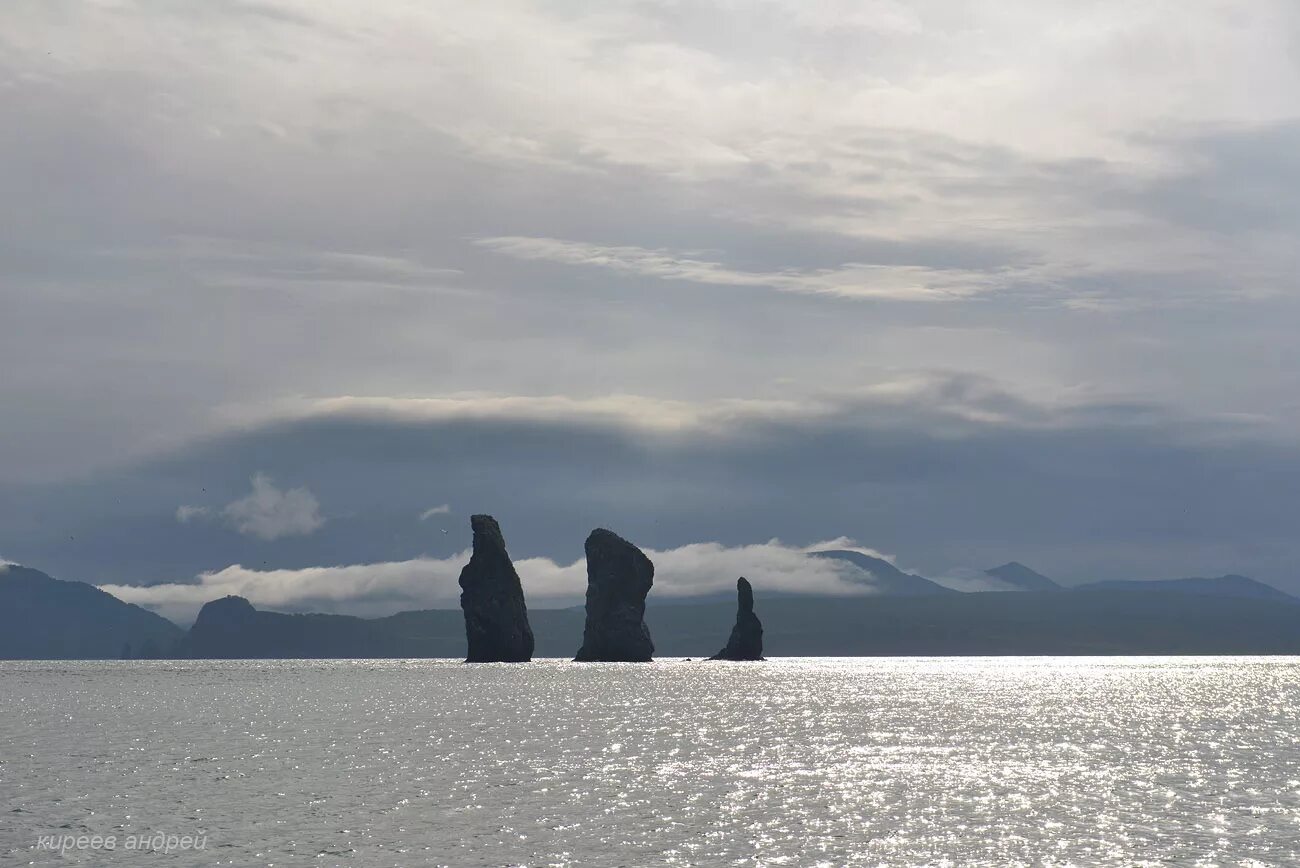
pixel 1008 761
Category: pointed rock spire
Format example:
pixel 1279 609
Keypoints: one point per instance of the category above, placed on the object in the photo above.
pixel 496 617
pixel 619 576
pixel 746 642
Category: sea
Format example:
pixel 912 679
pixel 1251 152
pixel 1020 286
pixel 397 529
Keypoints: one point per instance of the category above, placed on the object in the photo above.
pixel 1009 761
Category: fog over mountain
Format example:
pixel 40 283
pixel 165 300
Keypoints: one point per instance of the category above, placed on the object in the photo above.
pixel 294 288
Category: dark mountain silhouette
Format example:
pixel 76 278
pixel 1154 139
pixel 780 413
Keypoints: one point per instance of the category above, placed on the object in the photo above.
pixel 1220 586
pixel 885 577
pixel 1022 578
pixel 43 618
pixel 1023 622
pixel 232 628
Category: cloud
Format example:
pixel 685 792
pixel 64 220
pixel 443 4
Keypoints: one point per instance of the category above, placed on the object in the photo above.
pixel 613 264
pixel 186 514
pixel 858 151
pixel 269 513
pixel 229 263
pixel 637 412
pixel 852 280
pixel 847 544
pixel 384 588
pixel 444 509
pixel 938 397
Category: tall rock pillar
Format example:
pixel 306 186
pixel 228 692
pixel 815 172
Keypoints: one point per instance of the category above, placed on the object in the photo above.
pixel 746 642
pixel 619 576
pixel 496 618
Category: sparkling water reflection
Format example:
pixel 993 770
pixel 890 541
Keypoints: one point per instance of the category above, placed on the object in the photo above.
pixel 1003 761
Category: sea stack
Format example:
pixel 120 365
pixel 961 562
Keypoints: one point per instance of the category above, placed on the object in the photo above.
pixel 496 618
pixel 746 642
pixel 619 576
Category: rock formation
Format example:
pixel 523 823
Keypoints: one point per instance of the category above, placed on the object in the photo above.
pixel 746 642
pixel 619 576
pixel 496 618
pixel 225 628
pixel 226 613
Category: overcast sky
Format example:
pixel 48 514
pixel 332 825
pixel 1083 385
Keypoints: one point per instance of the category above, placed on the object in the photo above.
pixel 295 284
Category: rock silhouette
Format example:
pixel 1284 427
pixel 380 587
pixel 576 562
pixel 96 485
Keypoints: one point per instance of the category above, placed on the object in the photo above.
pixel 496 618
pixel 229 624
pixel 227 614
pixel 619 576
pixel 746 642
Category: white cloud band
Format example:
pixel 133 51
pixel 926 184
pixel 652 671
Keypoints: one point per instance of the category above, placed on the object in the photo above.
pixel 424 583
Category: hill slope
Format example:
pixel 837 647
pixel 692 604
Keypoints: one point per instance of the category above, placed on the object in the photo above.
pixel 1022 578
pixel 43 618
pixel 884 577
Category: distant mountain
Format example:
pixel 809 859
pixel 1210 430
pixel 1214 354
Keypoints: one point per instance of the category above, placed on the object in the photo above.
pixel 43 618
pixel 1014 622
pixel 1019 622
pixel 1022 578
pixel 232 628
pixel 885 577
pixel 1221 586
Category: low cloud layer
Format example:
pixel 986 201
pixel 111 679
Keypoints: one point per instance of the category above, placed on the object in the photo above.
pixel 431 583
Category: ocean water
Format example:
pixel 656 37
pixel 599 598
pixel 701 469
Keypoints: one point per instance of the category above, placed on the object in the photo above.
pixel 957 762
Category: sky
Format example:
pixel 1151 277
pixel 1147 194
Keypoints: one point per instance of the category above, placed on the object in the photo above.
pixel 290 288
